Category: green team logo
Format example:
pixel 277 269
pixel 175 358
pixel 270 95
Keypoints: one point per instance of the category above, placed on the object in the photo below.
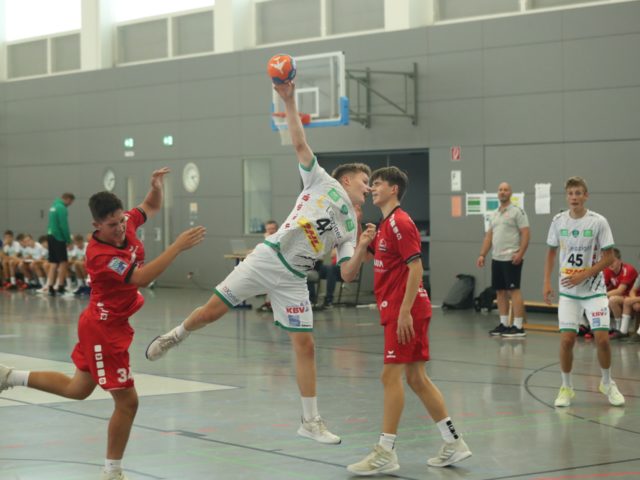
pixel 587 233
pixel 333 193
pixel 575 233
pixel 350 225
pixel 344 210
pixel 564 232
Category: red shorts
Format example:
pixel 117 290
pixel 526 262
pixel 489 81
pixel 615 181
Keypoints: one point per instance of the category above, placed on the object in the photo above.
pixel 103 351
pixel 415 351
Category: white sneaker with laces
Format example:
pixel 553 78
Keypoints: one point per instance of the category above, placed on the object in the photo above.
pixel 315 429
pixel 159 346
pixel 378 461
pixel 450 453
pixel 4 377
pixel 564 397
pixel 119 475
pixel 613 394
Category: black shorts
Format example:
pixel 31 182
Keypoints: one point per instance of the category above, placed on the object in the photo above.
pixel 505 275
pixel 57 250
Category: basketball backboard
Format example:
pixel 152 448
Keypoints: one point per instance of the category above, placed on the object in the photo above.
pixel 320 91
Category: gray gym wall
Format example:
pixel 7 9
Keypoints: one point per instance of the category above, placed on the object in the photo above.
pixel 532 98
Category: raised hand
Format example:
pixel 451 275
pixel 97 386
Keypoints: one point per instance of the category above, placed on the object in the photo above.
pixel 286 90
pixel 157 176
pixel 190 238
pixel 367 235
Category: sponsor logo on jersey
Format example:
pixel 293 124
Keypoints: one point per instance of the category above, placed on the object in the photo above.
pixel 104 313
pixel 333 193
pixel 570 270
pixel 391 354
pixel 603 312
pixel 344 209
pixel 587 233
pixel 564 232
pixel 378 263
pixel 294 320
pixel 118 265
pixel 384 304
pixel 575 233
pixel 382 245
pixel 595 322
pixel 295 309
pixel 394 227
pixel 311 234
pixel 350 225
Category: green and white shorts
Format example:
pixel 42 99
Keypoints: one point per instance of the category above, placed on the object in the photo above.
pixel 263 272
pixel 570 312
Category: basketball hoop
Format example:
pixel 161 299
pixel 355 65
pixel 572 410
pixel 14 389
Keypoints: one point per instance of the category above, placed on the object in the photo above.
pixel 280 122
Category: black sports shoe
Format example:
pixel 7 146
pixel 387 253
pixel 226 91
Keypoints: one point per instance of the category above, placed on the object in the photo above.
pixel 499 330
pixel 514 332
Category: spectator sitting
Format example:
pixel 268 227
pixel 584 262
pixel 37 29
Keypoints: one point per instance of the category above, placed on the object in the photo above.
pixel 632 308
pixel 32 251
pixel 76 262
pixel 11 250
pixel 619 279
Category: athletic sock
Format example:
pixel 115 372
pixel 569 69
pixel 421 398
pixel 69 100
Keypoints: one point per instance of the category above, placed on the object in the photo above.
pixel 606 376
pixel 42 280
pixel 616 323
pixel 518 321
pixel 309 407
pixel 69 284
pixel 566 380
pixel 182 332
pixel 447 430
pixel 18 378
pixel 112 465
pixel 624 324
pixel 504 320
pixel 13 280
pixel 387 441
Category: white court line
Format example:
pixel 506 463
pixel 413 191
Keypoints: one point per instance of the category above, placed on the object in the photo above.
pixel 146 385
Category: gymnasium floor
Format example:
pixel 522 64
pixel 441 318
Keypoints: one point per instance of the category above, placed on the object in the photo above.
pixel 224 405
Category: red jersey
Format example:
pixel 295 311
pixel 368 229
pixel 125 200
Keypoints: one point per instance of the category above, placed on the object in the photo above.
pixel 110 268
pixel 626 275
pixel 397 243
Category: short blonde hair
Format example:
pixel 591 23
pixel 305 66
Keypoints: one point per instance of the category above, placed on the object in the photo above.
pixel 576 182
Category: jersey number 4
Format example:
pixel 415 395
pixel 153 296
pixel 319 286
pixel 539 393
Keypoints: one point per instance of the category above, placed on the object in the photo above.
pixel 323 225
pixel 575 259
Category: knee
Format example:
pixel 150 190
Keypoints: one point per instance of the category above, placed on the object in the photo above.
pixel 567 343
pixel 305 345
pixel 416 381
pixel 128 406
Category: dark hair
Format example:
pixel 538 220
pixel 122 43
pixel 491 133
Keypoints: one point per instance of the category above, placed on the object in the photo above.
pixel 393 176
pixel 78 237
pixel 349 168
pixel 8 232
pixel 68 195
pixel 20 237
pixel 576 182
pixel 103 204
pixel 271 222
pixel 43 238
pixel 617 254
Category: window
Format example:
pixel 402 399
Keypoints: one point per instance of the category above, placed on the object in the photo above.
pixel 125 10
pixel 257 194
pixel 35 18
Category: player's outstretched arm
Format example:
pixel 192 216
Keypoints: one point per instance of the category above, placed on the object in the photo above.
pixel 287 92
pixel 186 240
pixel 153 201
pixel 349 270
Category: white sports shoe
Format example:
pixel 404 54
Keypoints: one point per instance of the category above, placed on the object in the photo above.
pixel 4 377
pixel 113 475
pixel 159 346
pixel 378 461
pixel 613 394
pixel 564 397
pixel 450 453
pixel 315 429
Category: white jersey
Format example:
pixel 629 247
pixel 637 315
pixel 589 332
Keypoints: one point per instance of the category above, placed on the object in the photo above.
pixel 37 252
pixel 77 253
pixel 581 241
pixel 322 218
pixel 12 250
